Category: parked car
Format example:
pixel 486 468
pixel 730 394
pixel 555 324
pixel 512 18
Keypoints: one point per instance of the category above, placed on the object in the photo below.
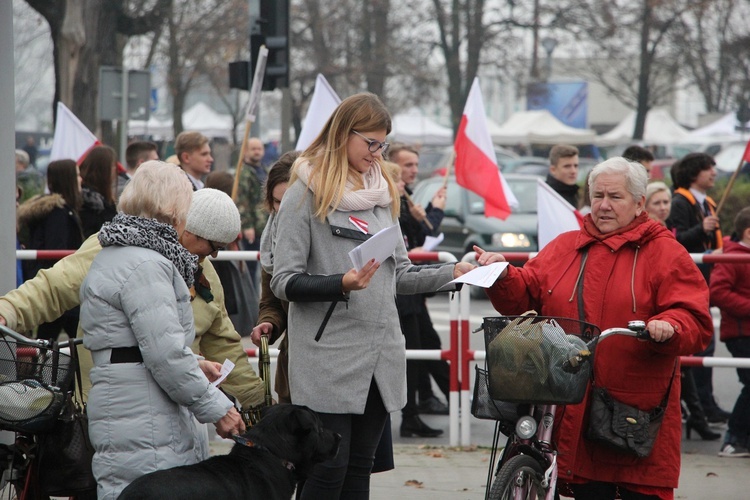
pixel 533 165
pixel 430 166
pixel 465 225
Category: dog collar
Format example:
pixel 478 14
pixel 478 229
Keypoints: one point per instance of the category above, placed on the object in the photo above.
pixel 251 444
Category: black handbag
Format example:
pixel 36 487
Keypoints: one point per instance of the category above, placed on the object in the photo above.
pixel 622 426
pixel 65 454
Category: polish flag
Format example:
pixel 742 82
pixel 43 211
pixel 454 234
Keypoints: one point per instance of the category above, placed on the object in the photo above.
pixel 746 155
pixel 322 105
pixel 72 139
pixel 476 163
pixel 555 214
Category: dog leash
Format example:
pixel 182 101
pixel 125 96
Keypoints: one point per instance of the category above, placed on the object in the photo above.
pixel 252 444
pixel 252 415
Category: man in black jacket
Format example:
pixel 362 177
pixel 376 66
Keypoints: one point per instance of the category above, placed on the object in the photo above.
pixel 693 219
pixel 416 223
pixel 563 172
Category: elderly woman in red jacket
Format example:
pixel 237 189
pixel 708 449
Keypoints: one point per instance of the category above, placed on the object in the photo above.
pixel 630 268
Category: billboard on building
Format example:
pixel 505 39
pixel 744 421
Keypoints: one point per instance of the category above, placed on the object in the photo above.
pixel 567 101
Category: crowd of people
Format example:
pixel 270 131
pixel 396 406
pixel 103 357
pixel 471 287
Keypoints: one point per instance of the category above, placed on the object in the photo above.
pixel 158 318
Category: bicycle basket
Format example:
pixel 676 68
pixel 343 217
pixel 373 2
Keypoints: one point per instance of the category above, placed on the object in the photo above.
pixel 484 407
pixel 525 355
pixel 29 406
pixel 48 366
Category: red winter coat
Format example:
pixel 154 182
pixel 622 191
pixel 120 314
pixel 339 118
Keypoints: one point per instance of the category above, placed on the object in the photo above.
pixel 730 291
pixel 639 272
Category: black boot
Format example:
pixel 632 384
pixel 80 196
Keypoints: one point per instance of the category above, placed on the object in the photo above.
pixel 702 428
pixel 414 427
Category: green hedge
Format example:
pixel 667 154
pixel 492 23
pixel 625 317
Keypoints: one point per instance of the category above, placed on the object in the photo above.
pixel 737 199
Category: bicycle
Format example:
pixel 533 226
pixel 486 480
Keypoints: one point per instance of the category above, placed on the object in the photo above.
pixel 524 407
pixel 36 377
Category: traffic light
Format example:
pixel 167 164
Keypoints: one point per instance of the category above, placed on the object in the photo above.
pixel 274 34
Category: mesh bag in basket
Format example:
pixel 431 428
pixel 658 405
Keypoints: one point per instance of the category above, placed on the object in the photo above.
pixel 525 355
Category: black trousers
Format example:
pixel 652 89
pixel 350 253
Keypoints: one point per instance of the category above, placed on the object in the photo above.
pixel 410 329
pixel 606 491
pixel 438 369
pixel 347 476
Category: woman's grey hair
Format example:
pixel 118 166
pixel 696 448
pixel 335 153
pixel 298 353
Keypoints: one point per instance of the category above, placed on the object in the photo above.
pixel 657 187
pixel 636 177
pixel 158 190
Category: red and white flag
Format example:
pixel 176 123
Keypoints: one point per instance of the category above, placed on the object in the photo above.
pixel 476 163
pixel 746 155
pixel 322 105
pixel 555 214
pixel 72 139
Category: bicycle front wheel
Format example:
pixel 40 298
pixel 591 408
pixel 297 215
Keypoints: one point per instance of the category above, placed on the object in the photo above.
pixel 519 479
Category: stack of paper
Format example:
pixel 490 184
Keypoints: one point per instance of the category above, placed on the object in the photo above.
pixel 379 247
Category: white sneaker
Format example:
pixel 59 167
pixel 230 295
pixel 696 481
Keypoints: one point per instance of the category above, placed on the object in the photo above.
pixel 734 450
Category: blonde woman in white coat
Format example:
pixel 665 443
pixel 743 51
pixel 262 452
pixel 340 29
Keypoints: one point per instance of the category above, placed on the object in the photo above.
pixel 346 352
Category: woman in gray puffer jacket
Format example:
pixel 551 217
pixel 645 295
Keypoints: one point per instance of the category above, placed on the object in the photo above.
pixel 147 384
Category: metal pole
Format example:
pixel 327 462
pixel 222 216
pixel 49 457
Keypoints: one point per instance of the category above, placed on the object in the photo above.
pixel 124 115
pixel 7 151
pixel 286 120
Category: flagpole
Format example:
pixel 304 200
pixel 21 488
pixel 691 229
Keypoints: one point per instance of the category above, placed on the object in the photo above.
pixel 252 106
pixel 732 179
pixel 450 166
pixel 240 161
pixel 426 221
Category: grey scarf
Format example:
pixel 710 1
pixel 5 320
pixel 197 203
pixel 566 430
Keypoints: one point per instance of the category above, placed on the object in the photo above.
pixel 129 230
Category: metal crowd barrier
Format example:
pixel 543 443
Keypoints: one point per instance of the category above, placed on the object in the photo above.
pixel 459 353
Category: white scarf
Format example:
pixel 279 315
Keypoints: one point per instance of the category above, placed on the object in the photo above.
pixel 375 193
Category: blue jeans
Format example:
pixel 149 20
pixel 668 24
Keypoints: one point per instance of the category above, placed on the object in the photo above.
pixel 347 476
pixel 738 431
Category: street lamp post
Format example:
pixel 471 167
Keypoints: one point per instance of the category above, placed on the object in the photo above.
pixel 549 45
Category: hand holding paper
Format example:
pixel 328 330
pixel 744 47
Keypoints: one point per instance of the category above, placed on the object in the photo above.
pixel 379 247
pixel 483 276
pixel 227 367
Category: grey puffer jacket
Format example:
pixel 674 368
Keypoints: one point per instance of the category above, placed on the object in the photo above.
pixel 338 343
pixel 141 414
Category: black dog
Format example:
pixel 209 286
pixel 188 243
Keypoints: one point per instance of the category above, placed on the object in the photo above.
pixel 266 462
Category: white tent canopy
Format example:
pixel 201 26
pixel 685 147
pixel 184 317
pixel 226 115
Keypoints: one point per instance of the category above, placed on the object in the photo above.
pixel 414 128
pixel 199 117
pixel 539 127
pixel 660 129
pixel 725 129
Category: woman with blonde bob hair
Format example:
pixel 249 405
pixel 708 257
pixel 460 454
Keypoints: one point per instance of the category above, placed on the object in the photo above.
pixel 160 193
pixel 346 361
pixel 137 322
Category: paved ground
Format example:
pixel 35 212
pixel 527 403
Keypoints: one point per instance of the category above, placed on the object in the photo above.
pixel 430 472
pixel 430 469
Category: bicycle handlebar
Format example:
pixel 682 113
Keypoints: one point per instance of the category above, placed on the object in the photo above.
pixel 40 343
pixel 635 329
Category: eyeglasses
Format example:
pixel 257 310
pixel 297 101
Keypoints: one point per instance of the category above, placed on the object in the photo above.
pixel 214 248
pixel 372 144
